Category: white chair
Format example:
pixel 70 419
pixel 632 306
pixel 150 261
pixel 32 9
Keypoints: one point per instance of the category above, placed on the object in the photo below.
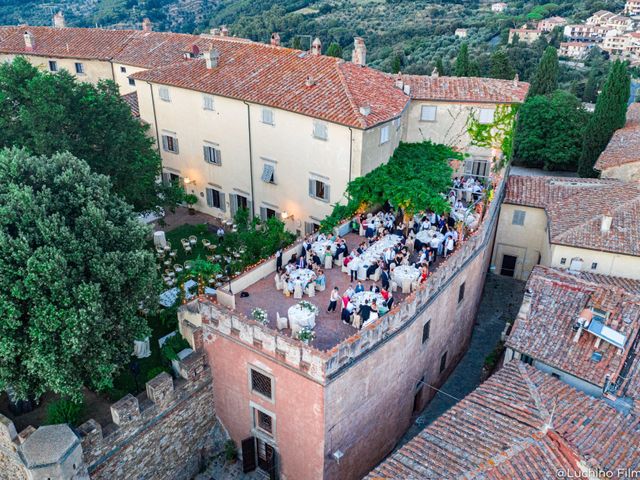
pixel 311 289
pixel 328 262
pixel 321 287
pixel 295 328
pixel 362 273
pixel 338 261
pixel 357 321
pixel 278 282
pixel 393 285
pixel 281 322
pixel 415 284
pixel 297 291
pixel 193 239
pixel 406 286
pixel 376 275
pixel 345 269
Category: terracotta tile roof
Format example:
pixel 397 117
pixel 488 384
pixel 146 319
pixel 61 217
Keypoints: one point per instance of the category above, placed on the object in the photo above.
pixel 624 146
pixel 575 208
pixel 82 43
pixel 5 31
pixel 544 327
pixel 275 76
pixel 131 99
pixel 465 89
pixel 505 429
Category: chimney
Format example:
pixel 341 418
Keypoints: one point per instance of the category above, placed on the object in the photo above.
pixel 275 39
pixel 215 32
pixel 583 322
pixel 365 109
pixel 309 82
pixel 435 73
pixel 516 79
pixel 211 58
pixel 224 31
pixel 29 41
pixel 359 54
pixel 316 47
pixel 605 226
pixel 58 20
pixel 398 82
pixel 147 26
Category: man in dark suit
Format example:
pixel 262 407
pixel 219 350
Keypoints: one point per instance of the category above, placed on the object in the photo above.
pixel 364 311
pixel 384 278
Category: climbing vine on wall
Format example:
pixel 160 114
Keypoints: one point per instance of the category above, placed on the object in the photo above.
pixel 497 134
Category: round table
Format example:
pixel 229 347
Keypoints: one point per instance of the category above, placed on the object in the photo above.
pixel 322 247
pixel 468 217
pixel 303 275
pixel 358 299
pixel 303 317
pixel 405 273
pixel 431 237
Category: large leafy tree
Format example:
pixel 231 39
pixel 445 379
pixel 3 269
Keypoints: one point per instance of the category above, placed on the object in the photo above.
pixel 463 66
pixel 609 115
pixel 545 80
pixel 334 50
pixel 549 131
pixel 48 113
pixel 73 271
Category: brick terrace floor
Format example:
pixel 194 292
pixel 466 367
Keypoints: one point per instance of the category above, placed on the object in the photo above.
pixel 329 328
pixel 182 217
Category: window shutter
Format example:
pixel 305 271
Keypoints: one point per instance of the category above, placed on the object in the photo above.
pixel 218 156
pixel 263 213
pixel 205 153
pixel 250 208
pixel 308 228
pixel 175 145
pixel 223 205
pixel 209 197
pixel 165 143
pixel 166 179
pixel 312 188
pixel 234 204
pixel 468 167
pixel 267 173
pixel 327 189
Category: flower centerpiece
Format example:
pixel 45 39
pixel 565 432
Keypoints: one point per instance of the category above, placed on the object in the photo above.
pixel 306 335
pixel 308 306
pixel 260 315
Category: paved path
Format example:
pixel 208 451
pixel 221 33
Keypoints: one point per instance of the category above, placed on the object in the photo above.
pixel 500 302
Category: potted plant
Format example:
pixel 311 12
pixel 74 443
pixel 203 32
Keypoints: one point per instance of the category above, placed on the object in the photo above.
pixel 190 199
pixel 306 335
pixel 260 315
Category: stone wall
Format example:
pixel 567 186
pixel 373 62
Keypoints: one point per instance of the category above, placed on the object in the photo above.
pixel 165 432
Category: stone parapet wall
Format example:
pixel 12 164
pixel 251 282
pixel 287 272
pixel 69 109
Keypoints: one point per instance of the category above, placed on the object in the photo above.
pixel 11 467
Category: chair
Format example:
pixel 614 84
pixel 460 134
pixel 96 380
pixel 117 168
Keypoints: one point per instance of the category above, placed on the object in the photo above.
pixel 345 269
pixel 339 261
pixel 206 243
pixel 295 328
pixel 278 282
pixel 393 285
pixel 187 248
pixel 193 239
pixel 415 284
pixel 297 291
pixel 376 275
pixel 281 322
pixel 362 273
pixel 173 253
pixel 357 321
pixel 286 292
pixel 311 289
pixel 188 265
pixel 406 286
pixel 178 268
pixel 328 262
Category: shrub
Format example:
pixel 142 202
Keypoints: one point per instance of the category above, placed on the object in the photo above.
pixel 230 450
pixel 155 371
pixel 173 346
pixel 65 411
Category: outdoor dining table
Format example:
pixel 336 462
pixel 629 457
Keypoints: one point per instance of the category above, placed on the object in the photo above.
pixel 431 237
pixel 301 316
pixel 303 275
pixel 405 273
pixel 321 248
pixel 359 298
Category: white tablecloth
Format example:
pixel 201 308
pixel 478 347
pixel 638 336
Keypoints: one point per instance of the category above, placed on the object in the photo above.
pixel 320 248
pixel 405 273
pixel 461 214
pixel 359 298
pixel 304 275
pixel 302 316
pixel 433 238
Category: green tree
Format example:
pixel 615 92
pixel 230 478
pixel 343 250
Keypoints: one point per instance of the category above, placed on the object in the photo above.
pixel 462 61
pixel 549 132
pixel 501 66
pixel 48 113
pixel 396 64
pixel 591 88
pixel 545 80
pixel 334 50
pixel 609 115
pixel 440 66
pixel 74 268
pixel 296 43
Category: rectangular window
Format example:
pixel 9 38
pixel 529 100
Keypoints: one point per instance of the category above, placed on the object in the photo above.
pixel 318 189
pixel 594 265
pixel 261 384
pixel 79 68
pixel 123 69
pixel 443 362
pixel 563 261
pixel 267 116
pixel 169 143
pixel 518 217
pixel 207 102
pixel 53 66
pixel 164 94
pixel 268 173
pixel 526 359
pixel 266 213
pixel 486 116
pixel 132 82
pixel 320 130
pixel 426 330
pixel 461 292
pixel 212 155
pixel 240 202
pixel 479 168
pixel 215 199
pixel 384 134
pixel 169 178
pixel 428 113
pixel 396 124
pixel 263 421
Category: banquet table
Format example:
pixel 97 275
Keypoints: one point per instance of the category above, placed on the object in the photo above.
pixel 321 248
pixel 374 253
pixel 433 238
pixel 358 299
pixel 301 316
pixel 462 214
pixel 303 275
pixel 405 273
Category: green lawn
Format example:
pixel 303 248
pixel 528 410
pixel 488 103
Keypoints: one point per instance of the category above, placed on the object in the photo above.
pixel 185 231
